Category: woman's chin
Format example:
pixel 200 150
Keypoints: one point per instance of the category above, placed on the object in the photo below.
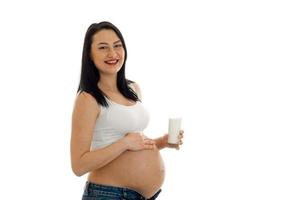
pixel 111 70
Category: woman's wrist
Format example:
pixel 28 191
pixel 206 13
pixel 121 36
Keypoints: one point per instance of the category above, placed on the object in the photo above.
pixel 124 144
pixel 160 142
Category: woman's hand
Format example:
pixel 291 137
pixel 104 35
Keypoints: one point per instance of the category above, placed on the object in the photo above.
pixel 163 142
pixel 137 141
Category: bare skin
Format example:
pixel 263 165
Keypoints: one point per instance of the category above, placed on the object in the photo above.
pixel 133 161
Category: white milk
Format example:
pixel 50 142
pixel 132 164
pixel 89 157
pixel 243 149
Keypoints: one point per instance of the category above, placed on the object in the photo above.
pixel 174 128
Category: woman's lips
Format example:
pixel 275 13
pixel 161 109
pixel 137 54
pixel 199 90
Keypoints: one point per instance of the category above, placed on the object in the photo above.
pixel 111 62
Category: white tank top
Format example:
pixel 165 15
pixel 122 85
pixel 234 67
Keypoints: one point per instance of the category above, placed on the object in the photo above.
pixel 115 121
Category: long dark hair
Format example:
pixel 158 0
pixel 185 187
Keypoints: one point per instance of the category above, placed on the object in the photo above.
pixel 90 75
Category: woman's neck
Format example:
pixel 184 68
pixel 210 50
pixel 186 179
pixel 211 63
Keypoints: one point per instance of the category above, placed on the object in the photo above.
pixel 108 83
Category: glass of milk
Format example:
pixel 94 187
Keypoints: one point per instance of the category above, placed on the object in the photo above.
pixel 174 129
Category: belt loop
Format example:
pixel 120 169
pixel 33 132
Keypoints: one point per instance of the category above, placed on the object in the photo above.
pixel 124 194
pixel 86 188
pixel 86 185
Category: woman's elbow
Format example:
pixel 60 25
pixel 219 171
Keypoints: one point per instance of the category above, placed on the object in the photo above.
pixel 78 173
pixel 77 170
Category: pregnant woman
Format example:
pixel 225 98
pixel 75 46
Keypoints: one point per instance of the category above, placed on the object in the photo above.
pixel 108 122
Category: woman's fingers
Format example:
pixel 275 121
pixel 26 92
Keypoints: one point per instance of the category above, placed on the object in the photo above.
pixel 149 144
pixel 180 136
pixel 180 142
pixel 173 146
pixel 148 141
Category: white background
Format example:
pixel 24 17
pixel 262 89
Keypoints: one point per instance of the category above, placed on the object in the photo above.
pixel 229 68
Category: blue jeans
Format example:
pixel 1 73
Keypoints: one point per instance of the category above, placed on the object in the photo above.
pixel 94 191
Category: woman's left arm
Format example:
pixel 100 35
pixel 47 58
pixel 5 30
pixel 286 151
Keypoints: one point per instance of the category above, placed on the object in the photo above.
pixel 161 142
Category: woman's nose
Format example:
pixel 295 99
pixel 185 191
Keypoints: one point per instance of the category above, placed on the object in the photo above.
pixel 111 53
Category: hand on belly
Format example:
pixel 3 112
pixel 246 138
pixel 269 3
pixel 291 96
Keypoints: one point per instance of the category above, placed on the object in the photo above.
pixel 142 171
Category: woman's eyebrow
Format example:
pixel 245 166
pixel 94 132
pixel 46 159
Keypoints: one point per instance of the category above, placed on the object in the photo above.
pixel 117 41
pixel 105 43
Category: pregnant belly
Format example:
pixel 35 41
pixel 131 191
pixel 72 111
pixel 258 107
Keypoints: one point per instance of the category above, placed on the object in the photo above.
pixel 142 171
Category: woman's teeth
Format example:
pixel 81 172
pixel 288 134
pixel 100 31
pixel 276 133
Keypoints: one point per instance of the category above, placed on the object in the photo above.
pixel 111 61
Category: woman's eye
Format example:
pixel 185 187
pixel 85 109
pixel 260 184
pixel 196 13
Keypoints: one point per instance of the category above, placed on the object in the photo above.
pixel 102 48
pixel 118 45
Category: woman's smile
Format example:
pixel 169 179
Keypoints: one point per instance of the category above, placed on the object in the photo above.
pixel 112 61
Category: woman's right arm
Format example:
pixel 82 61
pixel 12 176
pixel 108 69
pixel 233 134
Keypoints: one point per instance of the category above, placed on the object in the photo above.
pixel 85 113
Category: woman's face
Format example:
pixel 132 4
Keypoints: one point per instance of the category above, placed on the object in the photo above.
pixel 107 51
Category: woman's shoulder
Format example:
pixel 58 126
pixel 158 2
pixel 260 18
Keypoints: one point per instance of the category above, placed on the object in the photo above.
pixel 136 88
pixel 86 101
pixel 85 95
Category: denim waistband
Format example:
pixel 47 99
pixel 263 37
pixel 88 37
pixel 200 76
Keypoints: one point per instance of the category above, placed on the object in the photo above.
pixel 117 192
